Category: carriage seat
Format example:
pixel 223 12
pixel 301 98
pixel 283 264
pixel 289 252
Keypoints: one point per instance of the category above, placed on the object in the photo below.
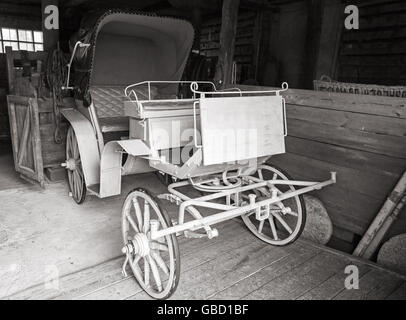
pixel 109 105
pixel 108 102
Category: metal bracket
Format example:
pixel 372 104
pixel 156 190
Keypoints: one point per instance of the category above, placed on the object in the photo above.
pixel 69 65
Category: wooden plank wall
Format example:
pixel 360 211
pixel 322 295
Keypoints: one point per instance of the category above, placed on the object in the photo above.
pixel 362 138
pixel 375 53
pixel 246 42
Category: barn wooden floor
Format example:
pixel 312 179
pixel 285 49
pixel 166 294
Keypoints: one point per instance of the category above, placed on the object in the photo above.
pixel 45 232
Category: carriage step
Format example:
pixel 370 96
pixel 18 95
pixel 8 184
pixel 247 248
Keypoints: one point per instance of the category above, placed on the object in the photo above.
pixel 94 189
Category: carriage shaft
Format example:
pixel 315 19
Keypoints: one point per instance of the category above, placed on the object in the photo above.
pixel 233 213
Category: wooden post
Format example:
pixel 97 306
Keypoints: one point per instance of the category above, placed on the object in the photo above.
pixel 228 31
pixel 51 36
pixel 381 224
pixel 331 30
pixel 314 14
pixel 10 69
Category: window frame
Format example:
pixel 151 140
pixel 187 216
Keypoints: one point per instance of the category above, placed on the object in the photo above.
pixel 35 45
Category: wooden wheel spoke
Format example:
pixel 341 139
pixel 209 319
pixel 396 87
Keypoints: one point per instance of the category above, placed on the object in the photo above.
pixel 135 267
pixel 273 228
pixel 138 212
pixel 293 213
pixel 155 245
pixel 78 176
pixel 261 226
pixel 70 174
pixel 76 180
pixel 136 260
pixel 79 170
pixel 132 222
pixel 146 271
pixel 155 273
pixel 260 174
pixel 160 262
pixel 75 150
pixel 146 217
pixel 69 147
pixel 283 223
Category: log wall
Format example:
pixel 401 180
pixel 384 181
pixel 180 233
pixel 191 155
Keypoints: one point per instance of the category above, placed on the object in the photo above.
pixel 376 52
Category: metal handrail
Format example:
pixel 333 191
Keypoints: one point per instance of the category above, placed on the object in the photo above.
pixel 148 83
pixel 127 94
pixel 194 86
pixel 69 65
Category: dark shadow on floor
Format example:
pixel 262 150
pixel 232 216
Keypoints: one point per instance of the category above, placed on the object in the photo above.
pixel 9 178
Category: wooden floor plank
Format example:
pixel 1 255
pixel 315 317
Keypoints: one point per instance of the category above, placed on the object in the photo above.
pixel 252 282
pixel 74 283
pixel 399 293
pixel 48 229
pixel 374 285
pixel 226 270
pixel 106 273
pixel 192 255
pixel 302 278
pixel 332 286
pixel 84 243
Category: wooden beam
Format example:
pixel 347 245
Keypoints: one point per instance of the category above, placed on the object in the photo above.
pixel 100 4
pixel 12 9
pixel 314 12
pixel 382 222
pixel 227 41
pixel 331 30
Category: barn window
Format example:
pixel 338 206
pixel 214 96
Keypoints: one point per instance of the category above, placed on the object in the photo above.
pixel 18 39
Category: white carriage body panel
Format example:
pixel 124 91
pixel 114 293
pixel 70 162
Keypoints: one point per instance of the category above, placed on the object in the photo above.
pixel 171 132
pixel 239 128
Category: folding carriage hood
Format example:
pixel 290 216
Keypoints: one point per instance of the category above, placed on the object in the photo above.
pixel 127 47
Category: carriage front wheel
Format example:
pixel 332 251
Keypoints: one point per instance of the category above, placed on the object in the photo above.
pixel 287 218
pixel 154 263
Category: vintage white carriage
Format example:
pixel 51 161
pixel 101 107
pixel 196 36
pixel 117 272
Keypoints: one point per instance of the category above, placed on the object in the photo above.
pixel 128 70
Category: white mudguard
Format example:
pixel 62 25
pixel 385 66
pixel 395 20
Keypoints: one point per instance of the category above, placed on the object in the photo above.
pixel 111 164
pixel 87 142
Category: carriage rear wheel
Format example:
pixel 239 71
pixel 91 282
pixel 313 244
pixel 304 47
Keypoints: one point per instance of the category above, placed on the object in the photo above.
pixel 76 179
pixel 287 218
pixel 154 263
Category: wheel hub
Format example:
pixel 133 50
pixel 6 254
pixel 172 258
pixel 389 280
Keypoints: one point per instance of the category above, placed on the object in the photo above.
pixel 70 164
pixel 140 245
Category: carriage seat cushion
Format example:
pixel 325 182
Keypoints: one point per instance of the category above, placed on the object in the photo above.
pixel 109 105
pixel 109 100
